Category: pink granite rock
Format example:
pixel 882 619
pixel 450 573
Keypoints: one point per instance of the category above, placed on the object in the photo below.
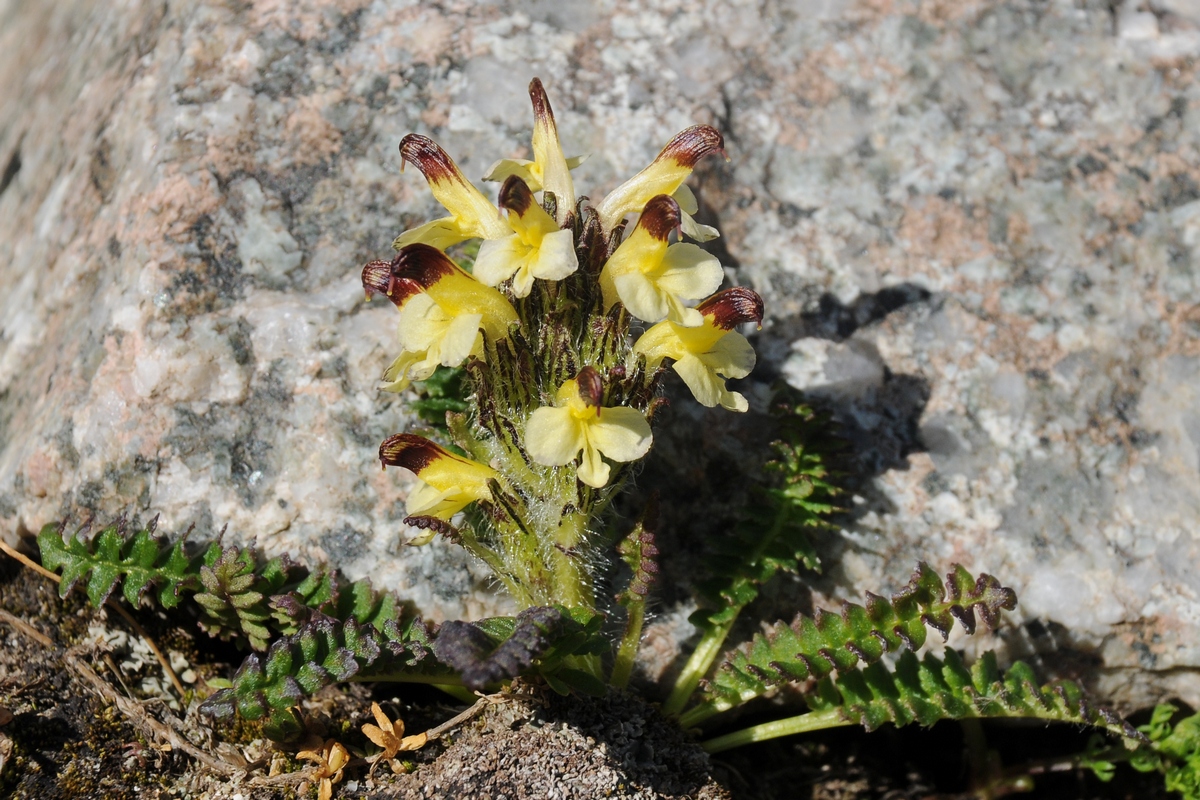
pixel 976 226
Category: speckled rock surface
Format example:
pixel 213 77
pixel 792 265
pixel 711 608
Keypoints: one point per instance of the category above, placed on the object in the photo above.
pixel 976 225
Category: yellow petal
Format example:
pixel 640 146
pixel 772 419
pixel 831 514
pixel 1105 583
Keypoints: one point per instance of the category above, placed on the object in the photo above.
pixel 689 272
pixel 642 253
pixel 621 433
pixel 592 469
pixel 440 233
pixel 520 167
pixel 642 297
pixel 447 482
pixel 548 154
pixel 731 356
pixel 525 215
pixel 708 389
pixel 406 368
pixel 553 436
pixel 694 230
pixel 471 211
pixel 453 290
pixel 499 259
pixel 556 258
pixel 664 175
pixel 658 343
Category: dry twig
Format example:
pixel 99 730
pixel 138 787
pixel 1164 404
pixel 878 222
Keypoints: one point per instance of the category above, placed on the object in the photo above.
pixel 150 727
pixel 138 629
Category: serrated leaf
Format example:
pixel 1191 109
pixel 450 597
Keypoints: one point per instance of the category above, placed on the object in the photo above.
pixel 324 651
pixel 493 650
pixel 813 647
pixel 931 689
pixel 110 559
pixel 776 533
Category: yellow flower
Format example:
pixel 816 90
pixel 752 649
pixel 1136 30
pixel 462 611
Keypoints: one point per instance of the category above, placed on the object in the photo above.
pixel 446 483
pixel 688 206
pixel 705 353
pixel 390 736
pixel 550 169
pixel 555 435
pixel 538 248
pixel 664 175
pixel 471 214
pixel 651 278
pixel 444 312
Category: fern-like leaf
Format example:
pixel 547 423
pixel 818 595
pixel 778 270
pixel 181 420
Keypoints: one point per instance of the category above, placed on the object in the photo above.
pixel 932 689
pixel 813 647
pixel 1172 748
pixel 496 649
pixel 235 593
pixel 238 598
pixel 776 532
pixel 325 651
pixel 928 690
pixel 137 562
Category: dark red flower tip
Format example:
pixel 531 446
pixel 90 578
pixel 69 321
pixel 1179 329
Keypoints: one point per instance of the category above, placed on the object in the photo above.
pixel 422 264
pixel 660 216
pixel 733 307
pixel 409 451
pixel 379 277
pixel 541 103
pixel 590 386
pixel 426 155
pixel 515 195
pixel 692 144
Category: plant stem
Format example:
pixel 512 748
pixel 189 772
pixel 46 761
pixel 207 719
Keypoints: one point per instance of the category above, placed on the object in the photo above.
pixel 623 666
pixel 710 644
pixel 812 721
pixel 457 692
pixel 696 667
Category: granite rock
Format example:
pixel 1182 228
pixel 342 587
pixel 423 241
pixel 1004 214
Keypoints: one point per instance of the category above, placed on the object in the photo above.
pixel 976 226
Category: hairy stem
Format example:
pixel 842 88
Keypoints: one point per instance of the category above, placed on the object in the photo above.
pixel 709 648
pixel 812 721
pixel 697 667
pixel 623 666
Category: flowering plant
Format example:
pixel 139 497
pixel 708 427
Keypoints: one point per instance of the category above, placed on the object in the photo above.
pixel 543 361
pixel 562 388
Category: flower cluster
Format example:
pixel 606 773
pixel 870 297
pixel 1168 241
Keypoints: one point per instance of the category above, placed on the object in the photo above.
pixel 545 322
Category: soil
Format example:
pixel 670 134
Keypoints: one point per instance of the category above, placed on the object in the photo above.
pixel 60 739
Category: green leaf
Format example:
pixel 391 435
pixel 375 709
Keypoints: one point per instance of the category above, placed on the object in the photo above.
pixel 324 651
pixel 443 392
pixel 931 689
pixel 776 532
pixel 813 647
pixel 138 563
